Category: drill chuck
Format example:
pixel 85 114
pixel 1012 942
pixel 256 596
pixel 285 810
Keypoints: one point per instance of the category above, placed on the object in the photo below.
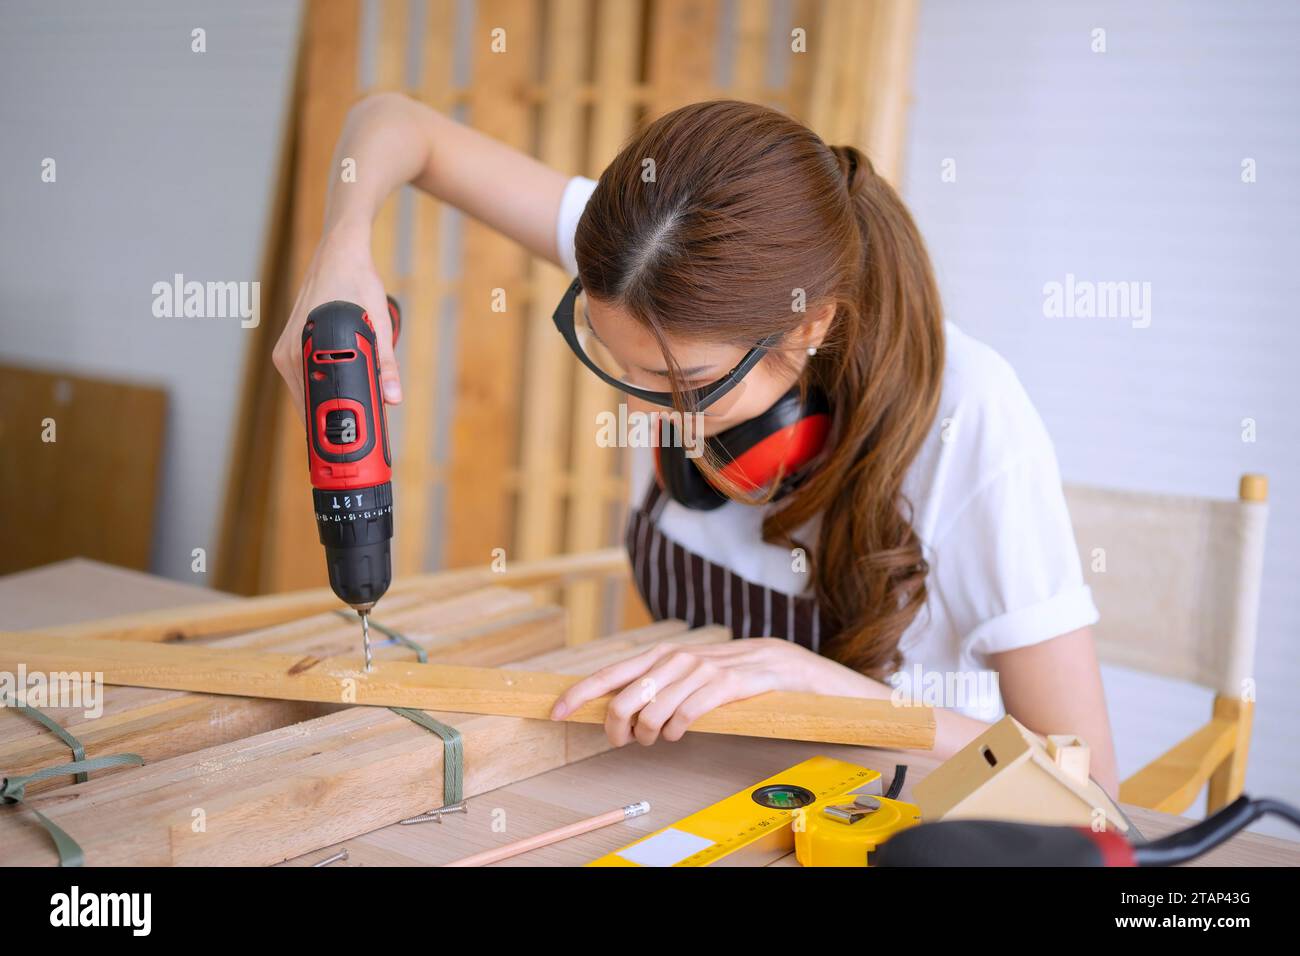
pixel 356 528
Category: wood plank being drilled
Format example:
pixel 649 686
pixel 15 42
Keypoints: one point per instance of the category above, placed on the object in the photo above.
pixel 295 789
pixel 471 690
pixel 488 627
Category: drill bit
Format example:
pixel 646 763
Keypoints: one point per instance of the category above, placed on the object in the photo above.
pixel 365 634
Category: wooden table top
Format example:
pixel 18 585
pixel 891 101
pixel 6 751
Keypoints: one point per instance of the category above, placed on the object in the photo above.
pixel 676 778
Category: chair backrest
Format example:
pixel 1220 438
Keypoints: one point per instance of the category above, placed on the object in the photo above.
pixel 1176 579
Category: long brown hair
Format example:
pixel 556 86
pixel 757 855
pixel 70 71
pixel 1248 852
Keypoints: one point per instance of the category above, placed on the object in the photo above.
pixel 705 226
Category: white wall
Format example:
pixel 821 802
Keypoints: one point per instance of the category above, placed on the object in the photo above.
pixel 165 162
pixel 1121 165
pixel 1126 165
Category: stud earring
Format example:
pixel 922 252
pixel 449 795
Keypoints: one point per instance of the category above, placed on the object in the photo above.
pixel 812 350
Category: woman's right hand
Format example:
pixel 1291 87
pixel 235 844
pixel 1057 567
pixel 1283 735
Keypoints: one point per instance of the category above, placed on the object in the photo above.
pixel 341 269
pixel 389 140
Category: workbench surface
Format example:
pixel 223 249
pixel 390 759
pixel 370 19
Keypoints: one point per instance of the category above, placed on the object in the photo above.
pixel 677 778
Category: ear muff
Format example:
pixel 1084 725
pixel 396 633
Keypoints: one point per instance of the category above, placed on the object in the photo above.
pixel 778 443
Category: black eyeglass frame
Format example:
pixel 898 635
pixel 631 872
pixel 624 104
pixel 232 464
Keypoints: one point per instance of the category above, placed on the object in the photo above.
pixel 697 399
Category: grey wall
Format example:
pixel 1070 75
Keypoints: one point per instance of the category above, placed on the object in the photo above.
pixel 165 162
pixel 1126 165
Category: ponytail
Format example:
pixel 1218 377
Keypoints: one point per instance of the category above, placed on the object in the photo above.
pixel 883 371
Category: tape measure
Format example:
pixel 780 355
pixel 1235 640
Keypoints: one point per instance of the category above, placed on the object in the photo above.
pixel 752 827
pixel 846 830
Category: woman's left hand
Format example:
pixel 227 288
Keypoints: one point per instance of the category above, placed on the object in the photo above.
pixel 661 692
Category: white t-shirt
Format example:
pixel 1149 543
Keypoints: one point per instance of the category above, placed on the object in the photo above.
pixel 987 505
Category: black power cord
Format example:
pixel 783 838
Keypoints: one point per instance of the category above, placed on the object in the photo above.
pixel 1004 843
pixel 1213 830
pixel 896 787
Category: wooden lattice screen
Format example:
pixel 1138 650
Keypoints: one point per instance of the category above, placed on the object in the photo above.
pixel 486 453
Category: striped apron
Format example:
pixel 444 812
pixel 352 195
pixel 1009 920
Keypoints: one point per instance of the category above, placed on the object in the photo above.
pixel 680 584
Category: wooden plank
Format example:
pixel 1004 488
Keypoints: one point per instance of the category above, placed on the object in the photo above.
pixel 487 628
pixel 885 86
pixel 261 798
pixel 471 690
pixel 749 81
pixel 280 794
pixel 154 724
pixel 79 472
pixel 237 562
pixel 852 61
pixel 413 473
pixel 486 425
pixel 390 74
pixel 289 530
pixel 77 590
pixel 596 654
pixel 852 85
pixel 831 51
pixel 225 616
pixel 548 373
pixel 618 41
pixel 593 496
pixel 389 52
pixel 800 66
pixel 683 51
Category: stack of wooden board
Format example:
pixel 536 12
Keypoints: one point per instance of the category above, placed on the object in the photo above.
pixel 251 780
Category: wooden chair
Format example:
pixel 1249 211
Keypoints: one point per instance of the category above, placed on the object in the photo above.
pixel 1177 581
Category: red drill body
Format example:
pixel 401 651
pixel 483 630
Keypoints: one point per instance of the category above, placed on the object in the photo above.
pixel 347 449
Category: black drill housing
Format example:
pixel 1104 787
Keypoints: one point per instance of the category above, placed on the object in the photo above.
pixel 356 528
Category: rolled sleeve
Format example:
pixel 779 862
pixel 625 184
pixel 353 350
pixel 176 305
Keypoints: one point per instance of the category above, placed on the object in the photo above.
pixel 1007 568
pixel 1060 614
pixel 572 203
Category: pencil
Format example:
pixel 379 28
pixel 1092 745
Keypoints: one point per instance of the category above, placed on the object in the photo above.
pixel 554 836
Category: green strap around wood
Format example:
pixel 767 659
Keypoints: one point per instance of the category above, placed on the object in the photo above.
pixel 453 747
pixel 14 789
pixel 78 751
pixel 453 753
pixel 421 654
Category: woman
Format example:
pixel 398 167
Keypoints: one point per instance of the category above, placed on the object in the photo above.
pixel 731 264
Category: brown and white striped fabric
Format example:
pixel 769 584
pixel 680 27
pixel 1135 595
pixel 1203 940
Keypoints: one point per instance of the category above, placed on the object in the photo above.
pixel 680 584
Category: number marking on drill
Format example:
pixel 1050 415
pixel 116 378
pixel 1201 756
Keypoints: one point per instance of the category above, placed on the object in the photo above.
pixel 354 515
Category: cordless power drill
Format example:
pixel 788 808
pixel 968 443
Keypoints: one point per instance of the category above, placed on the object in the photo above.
pixel 348 454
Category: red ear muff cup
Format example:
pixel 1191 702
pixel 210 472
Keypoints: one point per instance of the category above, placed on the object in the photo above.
pixel 780 442
pixel 781 453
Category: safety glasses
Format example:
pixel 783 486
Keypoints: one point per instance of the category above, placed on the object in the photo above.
pixel 571 319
